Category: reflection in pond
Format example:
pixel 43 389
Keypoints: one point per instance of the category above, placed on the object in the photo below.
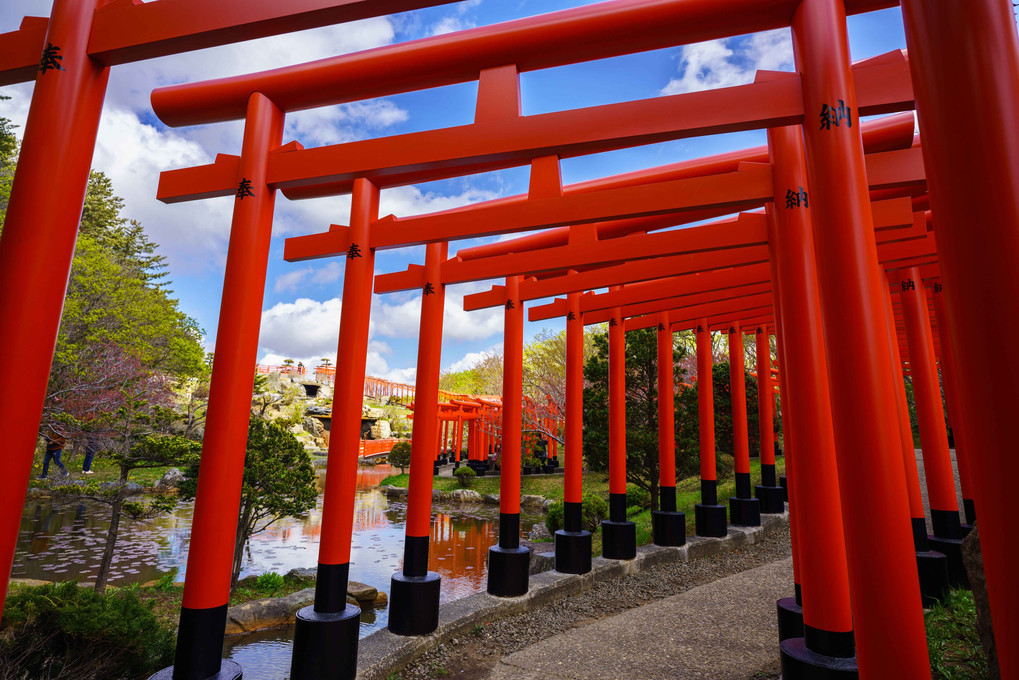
pixel 64 541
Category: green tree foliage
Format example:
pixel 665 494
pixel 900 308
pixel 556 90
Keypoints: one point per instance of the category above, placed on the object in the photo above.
pixel 484 377
pixel 63 631
pixel 687 424
pixel 400 455
pixel 8 161
pixel 641 407
pixel 465 476
pixel 279 482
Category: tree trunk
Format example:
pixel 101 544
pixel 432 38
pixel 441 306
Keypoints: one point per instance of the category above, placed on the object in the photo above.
pixel 654 493
pixel 243 530
pixel 111 536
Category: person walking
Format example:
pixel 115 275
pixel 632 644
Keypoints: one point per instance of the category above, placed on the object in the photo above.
pixel 55 442
pixel 90 452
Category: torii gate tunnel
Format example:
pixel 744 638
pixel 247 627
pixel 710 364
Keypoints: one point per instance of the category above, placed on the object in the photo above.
pixel 852 213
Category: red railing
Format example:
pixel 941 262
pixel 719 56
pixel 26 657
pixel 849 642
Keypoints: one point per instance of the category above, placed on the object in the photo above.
pixel 372 447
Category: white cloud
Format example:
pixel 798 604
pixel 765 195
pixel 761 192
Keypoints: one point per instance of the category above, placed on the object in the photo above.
pixel 303 328
pixel 731 61
pixel 471 358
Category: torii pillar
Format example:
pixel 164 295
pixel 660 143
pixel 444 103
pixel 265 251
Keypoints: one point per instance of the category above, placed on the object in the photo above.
pixel 414 594
pixel 619 536
pixel 710 517
pixel 744 509
pixel 770 495
pixel 508 562
pixel 572 542
pixel 668 526
pixel 890 635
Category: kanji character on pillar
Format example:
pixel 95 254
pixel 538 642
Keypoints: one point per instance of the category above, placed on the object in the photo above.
pixel 51 59
pixel 354 251
pixel 244 189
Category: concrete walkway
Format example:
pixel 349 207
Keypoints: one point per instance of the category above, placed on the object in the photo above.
pixel 719 631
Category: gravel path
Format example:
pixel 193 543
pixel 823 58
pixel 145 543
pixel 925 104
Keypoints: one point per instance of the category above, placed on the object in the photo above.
pixel 472 657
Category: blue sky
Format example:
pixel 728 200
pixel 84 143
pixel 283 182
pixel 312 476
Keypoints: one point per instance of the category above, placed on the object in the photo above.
pixel 301 307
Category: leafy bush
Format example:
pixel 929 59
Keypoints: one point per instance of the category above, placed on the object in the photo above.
pixel 725 465
pixel 465 476
pixel 166 581
pixel 637 497
pixel 400 455
pixel 532 462
pixel 269 583
pixel 593 511
pixel 74 633
pixel 555 519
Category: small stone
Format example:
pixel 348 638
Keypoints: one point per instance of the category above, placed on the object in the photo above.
pixel 539 532
pixel 531 500
pixel 465 496
pixel 381 600
pixel 170 480
pixel 361 592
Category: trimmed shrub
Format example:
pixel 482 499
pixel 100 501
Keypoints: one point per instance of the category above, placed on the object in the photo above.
pixel 400 456
pixel 637 497
pixel 465 476
pixel 533 463
pixel 74 633
pixel 593 511
pixel 269 583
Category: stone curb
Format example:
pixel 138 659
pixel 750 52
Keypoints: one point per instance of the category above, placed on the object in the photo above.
pixel 382 654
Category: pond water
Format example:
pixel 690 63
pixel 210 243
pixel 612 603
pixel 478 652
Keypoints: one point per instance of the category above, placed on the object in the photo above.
pixel 64 541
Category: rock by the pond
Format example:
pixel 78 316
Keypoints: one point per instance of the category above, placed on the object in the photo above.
pixel 381 600
pixel 539 532
pixel 170 480
pixel 131 488
pixel 532 500
pixel 394 491
pixel 303 573
pixel 272 612
pixel 546 505
pixel 491 498
pixel 973 560
pixel 361 592
pixel 466 496
pixel 438 495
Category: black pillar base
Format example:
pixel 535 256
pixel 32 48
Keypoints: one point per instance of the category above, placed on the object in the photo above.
pixel 618 540
pixel 790 619
pixel 572 552
pixel 772 499
pixel 969 510
pixel 229 670
pixel 710 520
pixel 799 663
pixel 414 604
pixel 932 568
pixel 745 512
pixel 508 571
pixel 784 483
pixel 952 549
pixel 668 528
pixel 325 645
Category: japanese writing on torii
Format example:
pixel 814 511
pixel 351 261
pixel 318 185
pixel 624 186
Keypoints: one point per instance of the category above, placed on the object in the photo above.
pixel 510 305
pixel 244 189
pixel 570 316
pixel 908 284
pixel 796 199
pixel 613 322
pixel 429 289
pixel 51 59
pixel 700 328
pixel 354 251
pixel 835 115
pixel 661 326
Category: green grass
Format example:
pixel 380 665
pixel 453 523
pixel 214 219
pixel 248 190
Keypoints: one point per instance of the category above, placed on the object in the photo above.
pixel 549 486
pixel 952 639
pixel 103 470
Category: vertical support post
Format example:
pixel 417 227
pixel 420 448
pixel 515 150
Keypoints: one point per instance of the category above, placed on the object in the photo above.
pixel 509 562
pixel 325 639
pixel 668 527
pixel 813 475
pixel 931 566
pixel 37 245
pixel 217 499
pixel 890 636
pixel 743 509
pixel 768 492
pixel 414 594
pixel 709 516
pixel 573 543
pixel 619 537
pixel 955 411
pixel 937 460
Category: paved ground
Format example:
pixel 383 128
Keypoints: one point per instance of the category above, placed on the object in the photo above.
pixel 719 631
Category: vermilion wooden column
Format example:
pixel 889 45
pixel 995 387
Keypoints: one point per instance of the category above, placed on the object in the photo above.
pixel 813 477
pixel 668 527
pixel 37 243
pixel 932 567
pixel 955 411
pixel 744 510
pixel 890 636
pixel 619 537
pixel 325 639
pixel 414 595
pixel 214 525
pixel 509 562
pixel 768 492
pixel 709 516
pixel 573 543
pixel 937 460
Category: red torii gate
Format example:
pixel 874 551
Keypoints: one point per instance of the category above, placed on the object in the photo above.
pixel 69 56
